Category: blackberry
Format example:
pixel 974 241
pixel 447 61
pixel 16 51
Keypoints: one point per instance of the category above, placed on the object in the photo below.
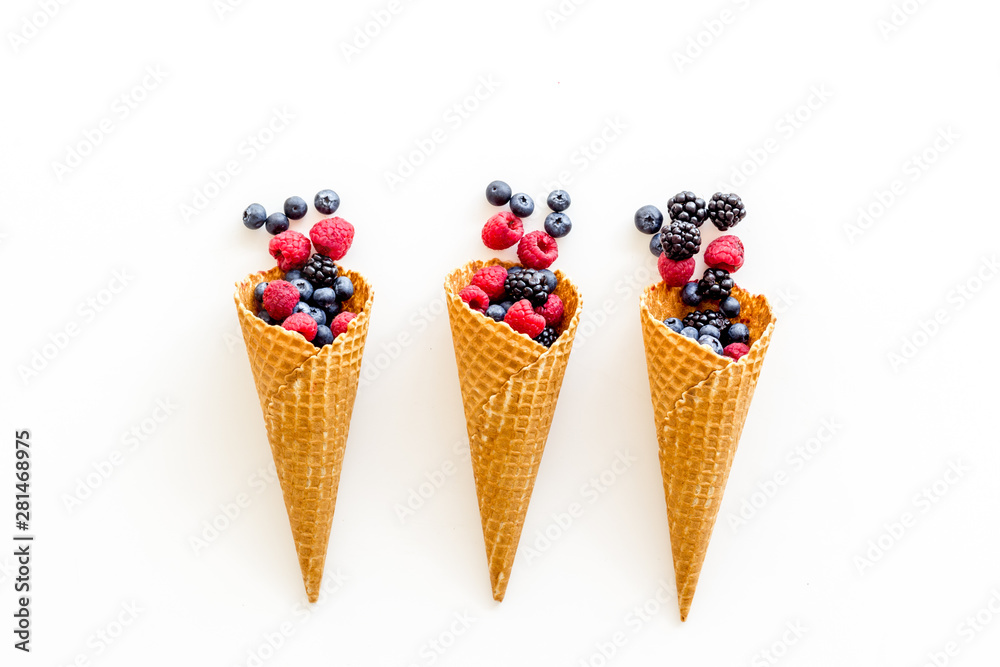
pixel 699 319
pixel 320 271
pixel 726 210
pixel 527 284
pixel 687 207
pixel 681 240
pixel 716 284
pixel 547 337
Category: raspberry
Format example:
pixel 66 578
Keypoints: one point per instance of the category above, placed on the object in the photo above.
pixel 302 323
pixel 332 237
pixel 490 279
pixel 736 350
pixel 537 250
pixel 291 249
pixel 502 231
pixel 725 252
pixel 552 310
pixel 675 274
pixel 280 298
pixel 523 319
pixel 476 298
pixel 340 322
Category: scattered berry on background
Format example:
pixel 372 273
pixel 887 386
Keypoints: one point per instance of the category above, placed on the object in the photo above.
pixel 323 336
pixel 254 216
pixel 290 249
pixel 502 231
pixel 301 323
pixel 280 298
pixel 491 280
pixel 295 208
pixel 526 284
pixel 294 274
pixel 547 337
pixel 689 295
pixel 496 312
pixel 725 252
pixel 258 292
pixel 736 333
pixel 522 205
pixel 320 270
pixel 304 287
pixel 687 207
pixel 343 288
pixel 710 330
pixel 537 250
pixel 522 318
pixel 340 322
pixel 324 297
pixel 475 297
pixel 558 201
pixel 726 210
pixel 730 307
pixel 675 274
pixel 648 219
pixel 736 350
pixel 715 284
pixel 549 280
pixel 332 237
pixel 327 202
pixel 674 324
pixel 276 223
pixel 558 225
pixel 680 240
pixel 552 310
pixel 656 245
pixel 690 332
pixel 498 193
pixel 264 315
pixel 711 343
pixel 699 318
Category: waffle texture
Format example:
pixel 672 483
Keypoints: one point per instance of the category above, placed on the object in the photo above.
pixel 510 386
pixel 700 402
pixel 306 396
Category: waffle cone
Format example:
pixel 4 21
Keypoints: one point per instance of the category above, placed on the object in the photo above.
pixel 306 395
pixel 510 386
pixel 700 402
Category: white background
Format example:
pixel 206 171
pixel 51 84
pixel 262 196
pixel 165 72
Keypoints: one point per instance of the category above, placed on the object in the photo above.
pixel 849 297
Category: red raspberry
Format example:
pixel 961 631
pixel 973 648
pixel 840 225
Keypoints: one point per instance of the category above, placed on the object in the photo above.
pixel 502 231
pixel 552 310
pixel 735 350
pixel 302 323
pixel 537 250
pixel 340 322
pixel 675 274
pixel 476 298
pixel 332 237
pixel 279 299
pixel 291 249
pixel 522 318
pixel 490 279
pixel 725 252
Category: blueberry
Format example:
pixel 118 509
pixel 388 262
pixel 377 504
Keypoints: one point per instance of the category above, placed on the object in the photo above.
pixel 648 219
pixel 497 312
pixel 276 223
pixel 709 330
pixel 689 294
pixel 558 200
pixel 258 292
pixel 301 307
pixel 674 324
pixel 317 314
pixel 326 201
pixel 343 287
pixel 498 193
pixel 264 315
pixel 294 274
pixel 331 312
pixel 324 297
pixel 690 332
pixel 558 225
pixel 656 245
pixel 506 305
pixel 304 287
pixel 712 343
pixel 730 307
pixel 736 333
pixel 295 207
pixel 323 336
pixel 522 205
pixel 254 216
pixel 549 280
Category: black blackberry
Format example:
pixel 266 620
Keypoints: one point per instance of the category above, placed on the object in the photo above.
pixel 681 240
pixel 716 284
pixel 320 270
pixel 698 319
pixel 547 337
pixel 726 210
pixel 526 284
pixel 688 207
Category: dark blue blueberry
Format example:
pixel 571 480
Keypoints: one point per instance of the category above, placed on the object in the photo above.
pixel 254 216
pixel 304 287
pixel 674 324
pixel 296 207
pixel 558 200
pixel 264 315
pixel 506 305
pixel 648 219
pixel 276 223
pixel 730 307
pixel 736 333
pixel 656 245
pixel 709 330
pixel 496 311
pixel 498 193
pixel 690 332
pixel 324 297
pixel 332 312
pixel 326 202
pixel 294 274
pixel 558 225
pixel 317 314
pixel 323 336
pixel 522 205
pixel 301 307
pixel 549 280
pixel 689 294
pixel 712 343
pixel 343 287
pixel 258 292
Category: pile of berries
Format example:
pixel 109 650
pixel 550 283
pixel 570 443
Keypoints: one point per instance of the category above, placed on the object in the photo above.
pixel 677 243
pixel 255 216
